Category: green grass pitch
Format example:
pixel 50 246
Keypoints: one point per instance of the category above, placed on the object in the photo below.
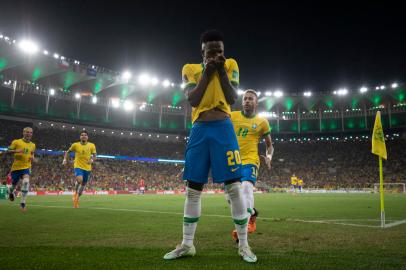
pixel 304 231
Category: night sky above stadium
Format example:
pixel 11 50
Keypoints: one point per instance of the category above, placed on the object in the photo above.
pixel 291 47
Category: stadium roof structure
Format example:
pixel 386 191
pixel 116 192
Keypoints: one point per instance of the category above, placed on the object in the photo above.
pixel 49 86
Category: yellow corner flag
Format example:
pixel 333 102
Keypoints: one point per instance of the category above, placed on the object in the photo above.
pixel 378 139
pixel 379 148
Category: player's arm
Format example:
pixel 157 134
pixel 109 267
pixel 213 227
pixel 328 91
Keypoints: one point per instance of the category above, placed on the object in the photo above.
pixel 12 149
pixel 195 92
pixel 229 88
pixel 93 156
pixel 66 156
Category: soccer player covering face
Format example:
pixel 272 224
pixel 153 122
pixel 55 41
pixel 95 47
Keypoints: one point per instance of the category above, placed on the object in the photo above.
pixel 250 128
pixel 211 87
pixel 23 151
pixel 85 155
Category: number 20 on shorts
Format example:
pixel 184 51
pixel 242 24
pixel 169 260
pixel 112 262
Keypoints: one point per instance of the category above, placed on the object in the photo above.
pixel 233 157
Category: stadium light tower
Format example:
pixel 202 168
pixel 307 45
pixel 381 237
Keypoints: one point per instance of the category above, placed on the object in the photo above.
pixel 341 92
pixel 77 96
pixel 240 92
pixel 115 102
pixel 363 89
pixel 183 85
pixel 52 91
pixel 268 93
pixel 128 105
pixel 28 46
pixel 154 81
pixel 394 85
pixel 45 52
pixel 94 99
pixel 56 56
pixel 126 75
pixel 307 94
pixel 166 83
pixel 144 79
pixel 278 93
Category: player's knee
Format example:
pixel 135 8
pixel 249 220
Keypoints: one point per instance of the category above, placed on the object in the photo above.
pixel 195 186
pixel 193 195
pixel 233 190
pixel 26 183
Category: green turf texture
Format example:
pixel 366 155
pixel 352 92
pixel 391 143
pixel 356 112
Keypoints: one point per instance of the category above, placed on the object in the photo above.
pixel 52 235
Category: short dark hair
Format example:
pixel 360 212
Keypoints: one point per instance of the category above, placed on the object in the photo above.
pixel 251 91
pixel 84 131
pixel 211 35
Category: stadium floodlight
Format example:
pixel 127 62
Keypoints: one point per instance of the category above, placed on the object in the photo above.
pixel 268 93
pixel 56 56
pixel 28 46
pixel 1 36
pixel 94 99
pixel 173 84
pixel 45 52
pixel 63 58
pixel 183 85
pixel 278 93
pixel 144 79
pixel 259 93
pixel 240 92
pixel 166 83
pixel 341 92
pixel 115 102
pixel 52 91
pixel 77 96
pixel 377 88
pixel 154 81
pixel 126 75
pixel 307 94
pixel 382 87
pixel 128 105
pixel 394 85
pixel 363 89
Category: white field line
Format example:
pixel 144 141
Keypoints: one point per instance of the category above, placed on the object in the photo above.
pixel 335 222
pixel 393 224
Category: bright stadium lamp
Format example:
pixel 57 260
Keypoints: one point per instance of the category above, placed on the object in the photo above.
pixel 363 89
pixel 154 81
pixel 45 52
pixel 126 75
pixel 268 93
pixel 115 102
pixel 128 105
pixel 166 83
pixel 278 93
pixel 382 87
pixel 394 85
pixel 307 94
pixel 94 99
pixel 52 91
pixel 28 46
pixel 240 92
pixel 341 92
pixel 259 93
pixel 56 56
pixel 77 96
pixel 183 85
pixel 144 79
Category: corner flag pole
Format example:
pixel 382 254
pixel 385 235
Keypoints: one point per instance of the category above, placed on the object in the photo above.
pixel 382 193
pixel 379 149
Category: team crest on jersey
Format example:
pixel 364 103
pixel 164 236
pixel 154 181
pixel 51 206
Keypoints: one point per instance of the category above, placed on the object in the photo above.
pixel 254 126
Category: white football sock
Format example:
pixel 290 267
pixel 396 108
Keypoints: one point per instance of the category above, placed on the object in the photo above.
pixel 192 211
pixel 24 189
pixel 248 191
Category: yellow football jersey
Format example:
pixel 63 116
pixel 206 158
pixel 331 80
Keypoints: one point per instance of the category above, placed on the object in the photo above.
pixel 300 182
pixel 22 160
pixel 293 180
pixel 249 132
pixel 214 96
pixel 83 153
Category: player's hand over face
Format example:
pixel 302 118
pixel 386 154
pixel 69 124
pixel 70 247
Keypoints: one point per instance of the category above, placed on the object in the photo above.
pixel 220 61
pixel 210 67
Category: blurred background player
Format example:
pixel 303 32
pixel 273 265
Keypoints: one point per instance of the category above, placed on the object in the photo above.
pixel 23 150
pixel 85 155
pixel 300 184
pixel 250 128
pixel 293 182
pixel 141 186
pixel 211 87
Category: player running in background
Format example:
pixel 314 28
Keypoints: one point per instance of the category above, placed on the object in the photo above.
pixel 141 186
pixel 23 150
pixel 300 184
pixel 85 155
pixel 293 182
pixel 211 87
pixel 250 128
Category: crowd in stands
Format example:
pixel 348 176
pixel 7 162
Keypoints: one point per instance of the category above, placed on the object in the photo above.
pixel 321 164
